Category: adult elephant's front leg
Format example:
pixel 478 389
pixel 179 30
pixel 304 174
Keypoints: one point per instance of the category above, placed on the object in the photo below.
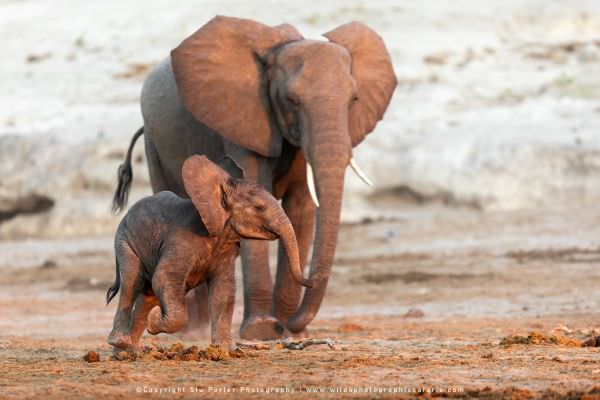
pixel 301 212
pixel 258 293
pixel 258 286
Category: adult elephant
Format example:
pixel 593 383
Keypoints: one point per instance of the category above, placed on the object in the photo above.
pixel 289 111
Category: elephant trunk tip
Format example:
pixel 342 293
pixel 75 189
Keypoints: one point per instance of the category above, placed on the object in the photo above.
pixel 299 322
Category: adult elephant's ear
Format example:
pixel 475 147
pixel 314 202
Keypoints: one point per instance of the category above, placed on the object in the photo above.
pixel 219 75
pixel 373 72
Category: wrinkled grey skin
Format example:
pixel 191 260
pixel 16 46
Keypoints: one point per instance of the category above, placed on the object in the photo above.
pixel 317 99
pixel 167 245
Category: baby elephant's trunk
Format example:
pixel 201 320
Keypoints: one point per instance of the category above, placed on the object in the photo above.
pixel 285 230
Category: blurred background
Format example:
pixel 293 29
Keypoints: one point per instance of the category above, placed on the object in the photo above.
pixel 497 107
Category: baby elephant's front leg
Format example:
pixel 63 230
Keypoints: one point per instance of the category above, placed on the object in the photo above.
pixel 221 298
pixel 171 316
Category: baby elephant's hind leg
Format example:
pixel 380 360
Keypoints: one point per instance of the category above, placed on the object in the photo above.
pixel 169 286
pixel 131 278
pixel 139 319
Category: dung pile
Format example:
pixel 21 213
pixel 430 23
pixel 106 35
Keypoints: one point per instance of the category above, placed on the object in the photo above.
pixel 179 352
pixel 537 338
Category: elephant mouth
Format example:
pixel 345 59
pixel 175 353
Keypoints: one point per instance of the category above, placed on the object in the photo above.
pixel 271 233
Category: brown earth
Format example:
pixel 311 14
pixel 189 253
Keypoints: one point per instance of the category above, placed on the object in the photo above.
pixel 454 302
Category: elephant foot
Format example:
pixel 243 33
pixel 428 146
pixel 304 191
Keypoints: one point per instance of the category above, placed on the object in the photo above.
pixel 262 327
pixel 120 340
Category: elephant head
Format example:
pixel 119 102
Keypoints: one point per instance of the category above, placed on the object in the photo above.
pixel 259 86
pixel 249 210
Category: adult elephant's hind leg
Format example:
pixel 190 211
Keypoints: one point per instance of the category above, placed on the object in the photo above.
pixel 139 318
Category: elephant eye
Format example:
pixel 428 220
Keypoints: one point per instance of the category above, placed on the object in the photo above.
pixel 354 98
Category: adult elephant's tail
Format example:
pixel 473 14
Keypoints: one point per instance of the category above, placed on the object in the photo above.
pixel 125 175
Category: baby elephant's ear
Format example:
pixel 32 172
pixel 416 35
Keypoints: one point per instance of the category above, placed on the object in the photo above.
pixel 203 180
pixel 232 168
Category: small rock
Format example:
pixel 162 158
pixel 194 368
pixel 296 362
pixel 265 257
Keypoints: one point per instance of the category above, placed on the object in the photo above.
pixel 92 357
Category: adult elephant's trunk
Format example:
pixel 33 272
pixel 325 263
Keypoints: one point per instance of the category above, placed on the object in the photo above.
pixel 284 229
pixel 329 161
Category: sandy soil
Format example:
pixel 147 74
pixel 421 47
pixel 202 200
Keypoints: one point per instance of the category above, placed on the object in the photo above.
pixel 434 299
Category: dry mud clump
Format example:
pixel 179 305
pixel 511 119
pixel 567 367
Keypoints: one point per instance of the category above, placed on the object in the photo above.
pixel 179 352
pixel 91 356
pixel 537 338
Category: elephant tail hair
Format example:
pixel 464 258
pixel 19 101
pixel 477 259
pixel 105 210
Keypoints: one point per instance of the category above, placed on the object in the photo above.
pixel 125 176
pixel 114 289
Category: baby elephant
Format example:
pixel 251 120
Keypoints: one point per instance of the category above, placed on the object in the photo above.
pixel 167 245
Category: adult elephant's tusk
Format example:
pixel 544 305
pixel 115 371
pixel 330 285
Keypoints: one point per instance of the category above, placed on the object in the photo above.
pixel 310 181
pixel 360 172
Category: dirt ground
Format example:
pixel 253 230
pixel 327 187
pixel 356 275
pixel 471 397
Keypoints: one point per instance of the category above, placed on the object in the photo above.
pixel 432 302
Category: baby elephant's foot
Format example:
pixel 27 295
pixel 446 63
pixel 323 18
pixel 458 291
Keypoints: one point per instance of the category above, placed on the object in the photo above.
pixel 120 340
pixel 262 327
